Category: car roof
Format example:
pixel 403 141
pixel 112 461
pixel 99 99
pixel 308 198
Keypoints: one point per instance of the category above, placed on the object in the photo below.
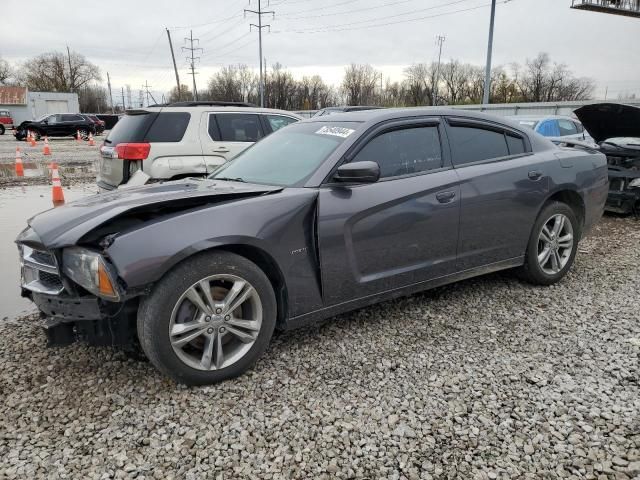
pixel 537 118
pixel 208 108
pixel 381 115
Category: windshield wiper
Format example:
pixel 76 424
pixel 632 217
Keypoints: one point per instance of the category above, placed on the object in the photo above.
pixel 230 179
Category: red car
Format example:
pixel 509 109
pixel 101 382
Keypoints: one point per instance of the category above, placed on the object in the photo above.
pixel 99 124
pixel 6 122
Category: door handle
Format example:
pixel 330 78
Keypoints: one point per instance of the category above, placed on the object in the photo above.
pixel 535 175
pixel 221 150
pixel 445 197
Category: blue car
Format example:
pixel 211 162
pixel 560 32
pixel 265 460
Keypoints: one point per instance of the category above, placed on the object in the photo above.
pixel 555 126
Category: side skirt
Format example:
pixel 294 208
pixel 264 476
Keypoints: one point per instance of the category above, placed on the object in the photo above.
pixel 324 313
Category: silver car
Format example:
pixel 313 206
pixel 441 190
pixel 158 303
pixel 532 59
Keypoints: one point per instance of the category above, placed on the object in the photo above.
pixel 180 140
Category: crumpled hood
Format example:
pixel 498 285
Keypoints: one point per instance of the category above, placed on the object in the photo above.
pixel 63 226
pixel 609 120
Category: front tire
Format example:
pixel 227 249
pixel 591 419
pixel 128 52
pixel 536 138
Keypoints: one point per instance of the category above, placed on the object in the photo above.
pixel 552 246
pixel 1 129
pixel 209 319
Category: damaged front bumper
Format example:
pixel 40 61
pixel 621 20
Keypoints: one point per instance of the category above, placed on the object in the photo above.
pixel 85 319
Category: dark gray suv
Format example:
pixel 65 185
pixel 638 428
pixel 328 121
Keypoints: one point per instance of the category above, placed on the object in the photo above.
pixel 319 218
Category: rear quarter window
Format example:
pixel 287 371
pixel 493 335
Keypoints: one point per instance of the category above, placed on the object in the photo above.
pixel 131 128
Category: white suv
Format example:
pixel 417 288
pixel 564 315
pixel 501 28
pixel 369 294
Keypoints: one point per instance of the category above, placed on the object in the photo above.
pixel 181 140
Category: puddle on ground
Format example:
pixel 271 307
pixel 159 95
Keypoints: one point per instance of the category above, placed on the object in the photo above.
pixel 17 204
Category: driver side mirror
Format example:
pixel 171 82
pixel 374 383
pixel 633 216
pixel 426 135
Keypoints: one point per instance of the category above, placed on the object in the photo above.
pixel 358 172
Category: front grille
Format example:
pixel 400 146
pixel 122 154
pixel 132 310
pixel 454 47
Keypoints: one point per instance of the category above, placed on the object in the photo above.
pixel 50 280
pixel 40 271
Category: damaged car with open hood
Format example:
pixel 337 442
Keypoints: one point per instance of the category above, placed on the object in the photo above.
pixel 322 217
pixel 616 129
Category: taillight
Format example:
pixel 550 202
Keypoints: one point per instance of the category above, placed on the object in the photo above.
pixel 133 151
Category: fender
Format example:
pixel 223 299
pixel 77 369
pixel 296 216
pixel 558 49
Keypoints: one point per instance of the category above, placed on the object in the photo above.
pixel 286 234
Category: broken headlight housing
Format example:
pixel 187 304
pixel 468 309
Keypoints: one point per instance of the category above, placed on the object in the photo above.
pixel 90 270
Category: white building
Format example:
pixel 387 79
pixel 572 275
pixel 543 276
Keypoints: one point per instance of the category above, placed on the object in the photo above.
pixel 25 105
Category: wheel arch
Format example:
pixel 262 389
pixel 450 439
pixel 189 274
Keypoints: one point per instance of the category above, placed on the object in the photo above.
pixel 573 200
pixel 263 260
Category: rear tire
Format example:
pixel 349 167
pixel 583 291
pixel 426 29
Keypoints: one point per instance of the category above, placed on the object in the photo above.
pixel 1 129
pixel 84 134
pixel 552 246
pixel 199 338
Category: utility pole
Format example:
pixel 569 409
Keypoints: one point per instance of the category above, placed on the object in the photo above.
pixel 175 68
pixel 110 94
pixel 71 79
pixel 487 73
pixel 192 61
pixel 124 107
pixel 440 40
pixel 259 26
pixel 146 86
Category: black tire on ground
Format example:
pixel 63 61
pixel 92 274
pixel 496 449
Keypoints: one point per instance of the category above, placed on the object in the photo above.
pixel 37 134
pixel 154 315
pixel 1 129
pixel 531 271
pixel 84 134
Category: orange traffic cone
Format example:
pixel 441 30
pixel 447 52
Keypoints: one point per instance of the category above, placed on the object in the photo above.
pixel 57 194
pixel 19 167
pixel 78 137
pixel 91 142
pixel 32 140
pixel 46 150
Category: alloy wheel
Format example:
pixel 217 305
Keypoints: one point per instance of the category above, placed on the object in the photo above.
pixel 555 244
pixel 215 322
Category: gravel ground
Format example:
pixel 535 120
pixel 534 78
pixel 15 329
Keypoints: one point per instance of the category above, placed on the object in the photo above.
pixel 76 161
pixel 489 378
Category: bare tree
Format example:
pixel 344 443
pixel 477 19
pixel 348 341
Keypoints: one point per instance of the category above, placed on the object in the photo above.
pixel 57 72
pixel 359 84
pixel 93 99
pixel 419 84
pixel 6 72
pixel 185 94
pixel 455 77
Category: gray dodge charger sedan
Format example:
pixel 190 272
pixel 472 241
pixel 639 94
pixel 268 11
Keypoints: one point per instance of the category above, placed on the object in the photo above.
pixel 322 217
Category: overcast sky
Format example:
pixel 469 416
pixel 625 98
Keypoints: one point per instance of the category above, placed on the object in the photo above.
pixel 128 38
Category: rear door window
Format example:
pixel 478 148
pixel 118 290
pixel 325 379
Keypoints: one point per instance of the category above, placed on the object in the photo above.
pixel 168 127
pixel 567 127
pixel 473 144
pixel 239 127
pixel 276 122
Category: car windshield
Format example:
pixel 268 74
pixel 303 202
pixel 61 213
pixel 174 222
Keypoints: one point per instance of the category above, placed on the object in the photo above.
pixel 42 117
pixel 288 156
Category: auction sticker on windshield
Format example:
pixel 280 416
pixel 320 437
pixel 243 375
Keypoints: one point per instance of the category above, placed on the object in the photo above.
pixel 335 131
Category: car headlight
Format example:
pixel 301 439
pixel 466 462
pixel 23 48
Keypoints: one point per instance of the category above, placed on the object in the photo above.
pixel 89 270
pixel 635 183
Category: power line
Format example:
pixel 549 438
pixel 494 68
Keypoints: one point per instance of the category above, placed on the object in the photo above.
pixel 259 26
pixel 345 12
pixel 349 26
pixel 192 49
